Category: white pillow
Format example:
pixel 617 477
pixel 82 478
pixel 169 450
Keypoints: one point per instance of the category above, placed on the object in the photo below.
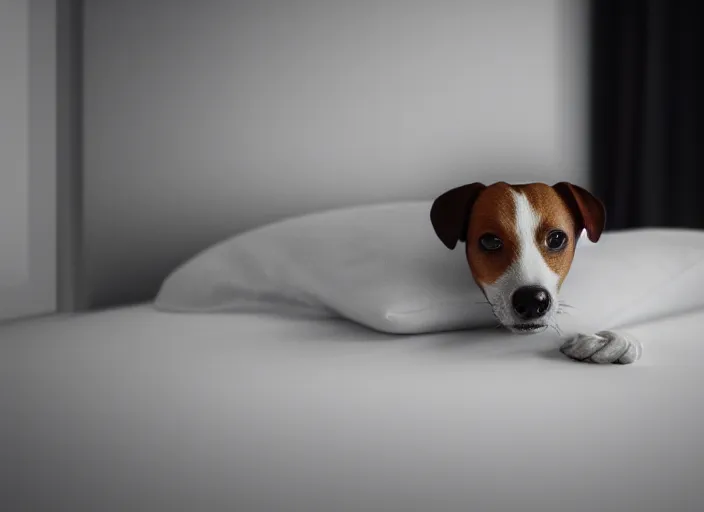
pixel 634 276
pixel 383 267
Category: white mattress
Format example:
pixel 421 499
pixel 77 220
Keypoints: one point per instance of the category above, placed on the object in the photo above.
pixel 137 410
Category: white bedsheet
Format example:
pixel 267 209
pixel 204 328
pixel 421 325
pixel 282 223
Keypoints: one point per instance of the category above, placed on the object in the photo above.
pixel 137 410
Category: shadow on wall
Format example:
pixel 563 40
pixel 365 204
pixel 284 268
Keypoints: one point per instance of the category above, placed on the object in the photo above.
pixel 147 271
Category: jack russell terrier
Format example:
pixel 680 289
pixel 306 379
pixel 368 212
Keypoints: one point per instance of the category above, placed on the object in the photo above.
pixel 519 242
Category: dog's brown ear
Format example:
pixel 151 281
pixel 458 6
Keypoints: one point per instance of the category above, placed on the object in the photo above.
pixel 588 211
pixel 450 213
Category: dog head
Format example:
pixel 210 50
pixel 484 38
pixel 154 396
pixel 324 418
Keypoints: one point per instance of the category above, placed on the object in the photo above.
pixel 519 242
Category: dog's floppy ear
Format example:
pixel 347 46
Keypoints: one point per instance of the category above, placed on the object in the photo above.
pixel 450 213
pixel 588 211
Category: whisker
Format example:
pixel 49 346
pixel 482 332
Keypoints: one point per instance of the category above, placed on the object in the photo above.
pixel 557 330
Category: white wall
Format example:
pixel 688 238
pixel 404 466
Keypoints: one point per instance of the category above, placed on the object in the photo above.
pixel 207 118
pixel 27 158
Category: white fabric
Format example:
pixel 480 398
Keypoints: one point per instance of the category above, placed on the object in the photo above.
pixel 383 267
pixel 633 276
pixel 134 409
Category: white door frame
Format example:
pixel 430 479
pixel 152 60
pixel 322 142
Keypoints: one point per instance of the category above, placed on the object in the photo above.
pixel 36 295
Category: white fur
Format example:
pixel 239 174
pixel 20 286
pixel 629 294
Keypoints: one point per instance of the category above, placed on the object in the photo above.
pixel 529 269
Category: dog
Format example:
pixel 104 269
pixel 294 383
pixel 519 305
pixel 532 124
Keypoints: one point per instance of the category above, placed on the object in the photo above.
pixel 519 241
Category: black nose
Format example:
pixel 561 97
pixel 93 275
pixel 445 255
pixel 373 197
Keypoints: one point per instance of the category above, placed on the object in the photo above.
pixel 531 302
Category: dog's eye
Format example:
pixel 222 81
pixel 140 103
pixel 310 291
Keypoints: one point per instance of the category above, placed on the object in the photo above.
pixel 556 240
pixel 490 242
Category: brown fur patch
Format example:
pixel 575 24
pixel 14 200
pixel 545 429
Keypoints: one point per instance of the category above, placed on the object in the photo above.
pixel 494 212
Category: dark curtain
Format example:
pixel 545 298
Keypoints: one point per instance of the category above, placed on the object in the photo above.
pixel 646 112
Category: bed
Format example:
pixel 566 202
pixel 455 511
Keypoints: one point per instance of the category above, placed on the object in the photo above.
pixel 137 409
